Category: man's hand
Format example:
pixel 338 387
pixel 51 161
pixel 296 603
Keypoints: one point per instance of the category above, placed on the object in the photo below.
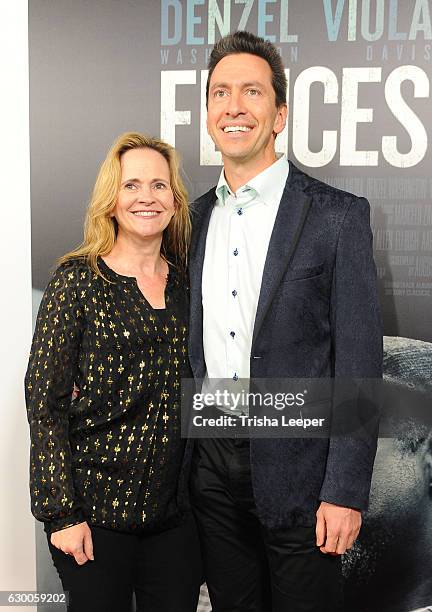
pixel 75 541
pixel 337 528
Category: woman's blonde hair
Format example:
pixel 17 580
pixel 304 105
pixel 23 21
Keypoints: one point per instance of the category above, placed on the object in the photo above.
pixel 100 228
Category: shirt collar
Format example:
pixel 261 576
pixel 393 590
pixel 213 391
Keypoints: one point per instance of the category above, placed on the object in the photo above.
pixel 266 184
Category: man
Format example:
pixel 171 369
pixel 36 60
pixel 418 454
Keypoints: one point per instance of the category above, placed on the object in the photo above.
pixel 282 285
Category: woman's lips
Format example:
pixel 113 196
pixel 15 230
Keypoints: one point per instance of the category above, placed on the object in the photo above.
pixel 146 213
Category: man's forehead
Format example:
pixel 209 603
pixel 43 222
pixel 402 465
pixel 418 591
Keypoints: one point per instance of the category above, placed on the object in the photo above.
pixel 247 63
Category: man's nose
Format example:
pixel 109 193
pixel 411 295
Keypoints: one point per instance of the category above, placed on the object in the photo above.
pixel 235 104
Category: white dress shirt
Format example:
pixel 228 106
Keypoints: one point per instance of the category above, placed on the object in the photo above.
pixel 238 237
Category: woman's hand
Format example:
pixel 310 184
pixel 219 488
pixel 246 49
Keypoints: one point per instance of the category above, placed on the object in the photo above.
pixel 75 541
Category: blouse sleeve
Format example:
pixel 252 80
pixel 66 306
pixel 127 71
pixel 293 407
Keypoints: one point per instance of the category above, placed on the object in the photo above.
pixel 49 382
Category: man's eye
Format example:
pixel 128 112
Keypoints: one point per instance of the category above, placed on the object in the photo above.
pixel 219 93
pixel 253 92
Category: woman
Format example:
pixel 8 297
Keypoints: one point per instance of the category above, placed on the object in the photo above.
pixel 106 466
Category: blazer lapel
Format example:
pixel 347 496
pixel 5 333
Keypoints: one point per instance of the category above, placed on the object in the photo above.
pixel 290 219
pixel 196 262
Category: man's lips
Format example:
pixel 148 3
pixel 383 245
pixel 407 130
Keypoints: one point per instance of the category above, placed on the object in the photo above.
pixel 236 129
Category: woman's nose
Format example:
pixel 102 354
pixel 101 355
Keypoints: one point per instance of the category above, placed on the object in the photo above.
pixel 145 195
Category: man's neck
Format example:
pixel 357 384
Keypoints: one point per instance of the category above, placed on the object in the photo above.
pixel 238 174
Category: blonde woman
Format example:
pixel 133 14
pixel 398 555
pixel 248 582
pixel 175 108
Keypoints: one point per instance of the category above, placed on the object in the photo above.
pixel 106 467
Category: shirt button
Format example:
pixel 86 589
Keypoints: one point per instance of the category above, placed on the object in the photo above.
pixel 235 377
pixel 234 292
pixel 235 252
pixel 232 334
pixel 240 211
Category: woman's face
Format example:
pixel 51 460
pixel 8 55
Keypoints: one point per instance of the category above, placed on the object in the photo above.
pixel 145 203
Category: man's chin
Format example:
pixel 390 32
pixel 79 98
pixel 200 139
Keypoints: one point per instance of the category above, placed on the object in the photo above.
pixel 234 152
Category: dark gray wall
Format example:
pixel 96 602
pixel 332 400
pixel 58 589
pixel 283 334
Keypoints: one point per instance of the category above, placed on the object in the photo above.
pixel 96 72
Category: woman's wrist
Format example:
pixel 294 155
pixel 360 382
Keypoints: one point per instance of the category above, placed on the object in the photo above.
pixel 63 522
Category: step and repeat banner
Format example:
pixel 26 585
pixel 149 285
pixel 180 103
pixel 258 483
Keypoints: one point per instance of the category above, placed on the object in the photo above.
pixel 359 75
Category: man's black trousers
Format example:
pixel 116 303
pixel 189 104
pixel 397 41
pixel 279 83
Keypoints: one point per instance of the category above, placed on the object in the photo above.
pixel 247 567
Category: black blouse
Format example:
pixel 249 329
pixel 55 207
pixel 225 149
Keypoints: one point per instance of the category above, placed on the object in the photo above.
pixel 111 456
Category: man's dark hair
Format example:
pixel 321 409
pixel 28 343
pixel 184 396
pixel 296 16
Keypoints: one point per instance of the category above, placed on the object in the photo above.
pixel 245 42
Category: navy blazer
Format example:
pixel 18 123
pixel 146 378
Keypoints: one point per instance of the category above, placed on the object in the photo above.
pixel 317 316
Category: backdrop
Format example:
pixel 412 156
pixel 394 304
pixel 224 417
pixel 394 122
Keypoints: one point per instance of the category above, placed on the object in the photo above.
pixel 359 75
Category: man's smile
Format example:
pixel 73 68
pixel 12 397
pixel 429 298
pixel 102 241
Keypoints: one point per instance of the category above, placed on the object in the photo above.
pixel 236 128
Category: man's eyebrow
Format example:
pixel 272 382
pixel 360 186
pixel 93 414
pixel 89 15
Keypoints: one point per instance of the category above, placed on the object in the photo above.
pixel 220 84
pixel 253 84
pixel 243 85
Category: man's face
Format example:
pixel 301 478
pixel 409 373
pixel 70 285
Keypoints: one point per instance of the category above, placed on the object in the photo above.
pixel 242 114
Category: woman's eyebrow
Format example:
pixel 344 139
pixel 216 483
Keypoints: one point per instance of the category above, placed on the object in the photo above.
pixel 130 180
pixel 137 180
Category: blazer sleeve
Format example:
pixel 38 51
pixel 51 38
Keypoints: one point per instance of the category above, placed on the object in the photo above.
pixel 357 356
pixel 49 382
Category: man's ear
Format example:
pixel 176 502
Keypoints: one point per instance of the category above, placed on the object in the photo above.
pixel 281 119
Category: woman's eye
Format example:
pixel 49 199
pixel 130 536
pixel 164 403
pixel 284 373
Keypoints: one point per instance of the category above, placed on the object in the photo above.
pixel 130 186
pixel 160 186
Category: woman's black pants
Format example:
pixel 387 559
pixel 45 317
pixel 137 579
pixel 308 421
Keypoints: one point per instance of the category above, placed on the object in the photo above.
pixel 163 570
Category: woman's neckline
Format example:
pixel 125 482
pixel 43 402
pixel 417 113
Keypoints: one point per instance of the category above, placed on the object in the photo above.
pixel 132 279
pixel 124 276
